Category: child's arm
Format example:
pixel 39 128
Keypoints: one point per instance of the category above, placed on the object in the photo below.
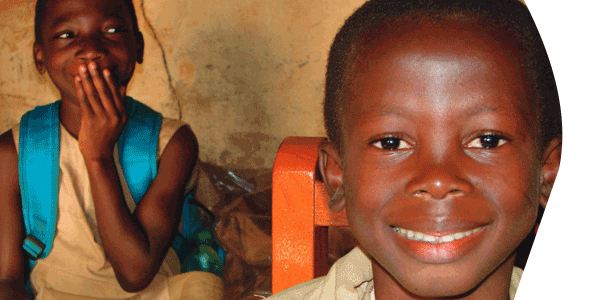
pixel 12 260
pixel 135 244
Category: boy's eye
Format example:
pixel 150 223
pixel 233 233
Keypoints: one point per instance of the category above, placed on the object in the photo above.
pixel 487 141
pixel 64 35
pixel 115 30
pixel 391 143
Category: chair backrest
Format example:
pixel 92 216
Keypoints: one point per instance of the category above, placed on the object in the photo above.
pixel 300 214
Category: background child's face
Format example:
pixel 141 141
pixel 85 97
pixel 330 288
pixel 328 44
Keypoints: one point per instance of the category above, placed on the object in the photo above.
pixel 77 32
pixel 438 147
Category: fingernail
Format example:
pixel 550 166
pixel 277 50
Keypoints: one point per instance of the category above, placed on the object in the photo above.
pixel 77 78
pixel 82 69
pixel 106 72
pixel 93 66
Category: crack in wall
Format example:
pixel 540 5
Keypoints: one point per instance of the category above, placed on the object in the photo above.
pixel 164 58
pixel 20 97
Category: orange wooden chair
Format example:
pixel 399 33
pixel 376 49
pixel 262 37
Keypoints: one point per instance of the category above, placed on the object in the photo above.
pixel 300 214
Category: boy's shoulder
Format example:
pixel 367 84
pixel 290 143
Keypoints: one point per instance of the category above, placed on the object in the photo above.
pixel 349 278
pixel 168 129
pixel 7 145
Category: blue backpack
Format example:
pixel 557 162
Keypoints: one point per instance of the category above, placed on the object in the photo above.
pixel 39 147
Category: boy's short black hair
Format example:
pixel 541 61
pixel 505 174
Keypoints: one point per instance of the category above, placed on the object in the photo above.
pixel 40 12
pixel 507 16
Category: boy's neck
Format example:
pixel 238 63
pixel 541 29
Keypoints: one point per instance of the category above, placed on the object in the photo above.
pixel 495 287
pixel 70 117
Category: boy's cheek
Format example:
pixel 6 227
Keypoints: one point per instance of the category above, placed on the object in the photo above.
pixel 363 226
pixel 517 209
pixel 363 210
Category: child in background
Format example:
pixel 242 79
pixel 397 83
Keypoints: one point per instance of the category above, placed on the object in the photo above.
pixel 105 246
pixel 444 139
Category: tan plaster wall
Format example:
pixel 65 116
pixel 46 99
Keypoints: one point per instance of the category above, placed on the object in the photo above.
pixel 243 74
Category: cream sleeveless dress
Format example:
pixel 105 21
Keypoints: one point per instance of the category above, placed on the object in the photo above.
pixel 76 267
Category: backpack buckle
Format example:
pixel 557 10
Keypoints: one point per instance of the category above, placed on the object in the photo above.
pixel 33 247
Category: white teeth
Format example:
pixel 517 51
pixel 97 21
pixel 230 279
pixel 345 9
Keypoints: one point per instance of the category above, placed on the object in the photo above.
pixel 419 236
pixel 429 239
pixel 447 238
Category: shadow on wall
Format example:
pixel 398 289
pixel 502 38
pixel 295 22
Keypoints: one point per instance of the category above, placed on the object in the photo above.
pixel 244 74
pixel 237 83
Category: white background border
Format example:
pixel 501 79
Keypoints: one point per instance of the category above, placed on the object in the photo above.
pixel 565 259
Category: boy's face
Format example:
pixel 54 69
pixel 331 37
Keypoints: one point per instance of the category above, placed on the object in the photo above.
pixel 439 166
pixel 76 32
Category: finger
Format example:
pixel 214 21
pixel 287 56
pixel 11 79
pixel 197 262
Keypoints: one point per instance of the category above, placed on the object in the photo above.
pixel 102 89
pixel 90 90
pixel 84 105
pixel 117 96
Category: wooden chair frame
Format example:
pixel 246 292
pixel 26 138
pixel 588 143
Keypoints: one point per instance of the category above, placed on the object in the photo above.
pixel 301 214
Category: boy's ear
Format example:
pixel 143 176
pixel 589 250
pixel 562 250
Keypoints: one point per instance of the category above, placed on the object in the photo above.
pixel 38 57
pixel 550 165
pixel 139 41
pixel 330 166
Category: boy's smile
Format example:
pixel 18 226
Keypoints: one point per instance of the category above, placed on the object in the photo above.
pixel 75 33
pixel 439 164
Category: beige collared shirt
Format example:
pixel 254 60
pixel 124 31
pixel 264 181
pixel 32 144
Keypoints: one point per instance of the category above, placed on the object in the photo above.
pixel 351 278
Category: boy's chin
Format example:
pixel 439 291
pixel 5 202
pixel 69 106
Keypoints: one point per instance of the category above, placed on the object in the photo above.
pixel 441 289
pixel 445 288
pixel 441 281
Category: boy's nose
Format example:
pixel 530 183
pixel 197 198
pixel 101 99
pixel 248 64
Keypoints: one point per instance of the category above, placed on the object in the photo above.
pixel 438 181
pixel 91 49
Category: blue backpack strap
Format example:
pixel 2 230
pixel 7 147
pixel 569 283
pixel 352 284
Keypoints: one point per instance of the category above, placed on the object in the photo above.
pixel 39 152
pixel 138 144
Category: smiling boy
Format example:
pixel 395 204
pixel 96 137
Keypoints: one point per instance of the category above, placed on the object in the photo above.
pixel 444 138
pixel 106 244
